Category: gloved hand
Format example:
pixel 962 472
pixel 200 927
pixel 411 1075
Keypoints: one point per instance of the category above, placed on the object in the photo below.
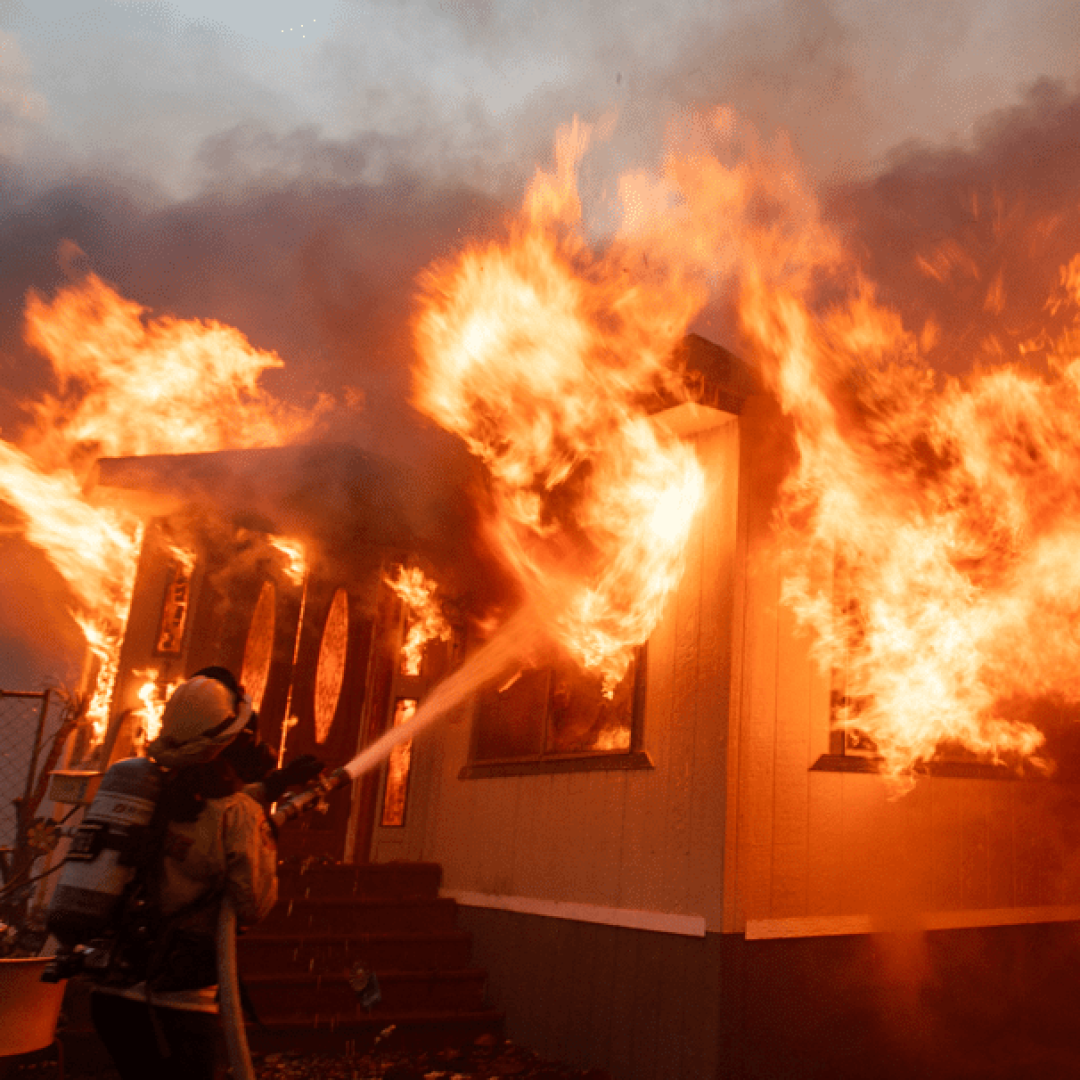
pixel 294 775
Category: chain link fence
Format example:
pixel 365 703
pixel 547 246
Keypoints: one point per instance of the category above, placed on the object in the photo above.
pixel 24 724
pixel 33 729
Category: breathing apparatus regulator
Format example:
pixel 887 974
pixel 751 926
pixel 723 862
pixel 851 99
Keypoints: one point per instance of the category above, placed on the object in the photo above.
pixel 204 716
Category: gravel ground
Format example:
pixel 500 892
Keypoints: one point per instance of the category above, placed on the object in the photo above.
pixel 487 1058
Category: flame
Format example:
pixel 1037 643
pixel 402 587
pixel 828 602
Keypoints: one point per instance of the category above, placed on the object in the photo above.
pixel 425 619
pixel 183 556
pixel 543 357
pixel 948 511
pixel 153 696
pixel 295 567
pixel 129 385
pixel 928 529
pixel 126 385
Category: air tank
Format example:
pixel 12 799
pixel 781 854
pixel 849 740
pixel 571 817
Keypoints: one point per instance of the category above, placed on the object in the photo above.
pixel 100 862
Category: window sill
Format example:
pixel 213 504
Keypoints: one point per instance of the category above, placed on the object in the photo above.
pixel 960 770
pixel 482 770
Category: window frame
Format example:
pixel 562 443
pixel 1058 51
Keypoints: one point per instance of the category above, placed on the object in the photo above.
pixel 853 751
pixel 634 757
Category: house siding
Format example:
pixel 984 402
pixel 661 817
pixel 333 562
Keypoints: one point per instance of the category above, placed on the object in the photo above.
pixel 644 1006
pixel 645 840
pixel 818 845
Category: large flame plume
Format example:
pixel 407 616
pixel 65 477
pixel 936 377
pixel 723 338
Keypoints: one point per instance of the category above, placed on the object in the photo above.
pixel 928 529
pixel 125 384
pixel 543 356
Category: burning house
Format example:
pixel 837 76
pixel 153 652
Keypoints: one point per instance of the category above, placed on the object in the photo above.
pixel 758 766
pixel 285 565
pixel 698 874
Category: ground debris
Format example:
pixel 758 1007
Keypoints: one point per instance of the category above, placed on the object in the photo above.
pixel 484 1060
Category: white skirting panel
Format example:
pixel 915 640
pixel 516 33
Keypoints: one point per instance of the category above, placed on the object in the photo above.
pixel 658 921
pixel 835 925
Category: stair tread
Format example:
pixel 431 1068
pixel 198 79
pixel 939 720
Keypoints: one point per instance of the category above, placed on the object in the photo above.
pixel 367 900
pixel 398 865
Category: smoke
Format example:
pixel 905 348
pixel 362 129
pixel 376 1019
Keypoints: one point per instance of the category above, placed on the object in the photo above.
pixel 312 263
pixel 971 241
pixel 209 171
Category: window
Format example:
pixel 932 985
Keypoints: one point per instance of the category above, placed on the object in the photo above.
pixel 330 670
pixel 844 707
pixel 850 748
pixel 177 603
pixel 556 718
pixel 398 767
pixel 259 648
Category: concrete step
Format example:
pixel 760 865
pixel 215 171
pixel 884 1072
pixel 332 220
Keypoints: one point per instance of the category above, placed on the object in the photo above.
pixel 459 991
pixel 307 879
pixel 361 915
pixel 316 954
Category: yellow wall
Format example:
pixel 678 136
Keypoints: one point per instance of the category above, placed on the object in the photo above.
pixel 649 840
pixel 823 852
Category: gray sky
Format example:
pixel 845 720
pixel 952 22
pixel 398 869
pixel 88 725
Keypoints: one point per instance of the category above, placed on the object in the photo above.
pixel 475 85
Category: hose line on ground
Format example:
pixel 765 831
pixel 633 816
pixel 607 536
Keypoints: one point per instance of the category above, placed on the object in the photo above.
pixel 232 1010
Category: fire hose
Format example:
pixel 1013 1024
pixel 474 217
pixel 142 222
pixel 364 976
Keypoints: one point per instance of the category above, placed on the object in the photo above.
pixel 232 1010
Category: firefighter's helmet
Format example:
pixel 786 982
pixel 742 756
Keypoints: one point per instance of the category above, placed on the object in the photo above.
pixel 201 718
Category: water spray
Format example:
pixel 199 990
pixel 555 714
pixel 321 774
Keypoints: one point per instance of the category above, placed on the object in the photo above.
pixel 516 637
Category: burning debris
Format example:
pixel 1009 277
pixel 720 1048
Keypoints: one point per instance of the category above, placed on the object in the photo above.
pixel 425 620
pixel 126 384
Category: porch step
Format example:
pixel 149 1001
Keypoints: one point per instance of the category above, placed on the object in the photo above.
pixel 307 880
pixel 385 917
pixel 361 914
pixel 288 954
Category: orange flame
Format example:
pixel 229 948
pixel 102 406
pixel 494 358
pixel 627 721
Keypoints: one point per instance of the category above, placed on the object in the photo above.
pixel 132 385
pixel 126 385
pixel 952 512
pixel 153 697
pixel 425 619
pixel 295 567
pixel 543 357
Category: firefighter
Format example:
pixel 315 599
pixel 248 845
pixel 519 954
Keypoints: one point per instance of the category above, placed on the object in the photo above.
pixel 155 1008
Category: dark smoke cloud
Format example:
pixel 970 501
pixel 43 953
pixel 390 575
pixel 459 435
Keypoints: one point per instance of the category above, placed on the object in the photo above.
pixel 974 238
pixel 197 187
pixel 285 243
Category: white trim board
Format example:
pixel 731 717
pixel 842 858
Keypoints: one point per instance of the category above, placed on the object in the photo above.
pixel 658 921
pixel 907 922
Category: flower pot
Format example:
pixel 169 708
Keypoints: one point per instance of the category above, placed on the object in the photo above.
pixel 28 1007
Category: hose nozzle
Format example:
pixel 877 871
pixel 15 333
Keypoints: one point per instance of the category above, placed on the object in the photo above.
pixel 311 798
